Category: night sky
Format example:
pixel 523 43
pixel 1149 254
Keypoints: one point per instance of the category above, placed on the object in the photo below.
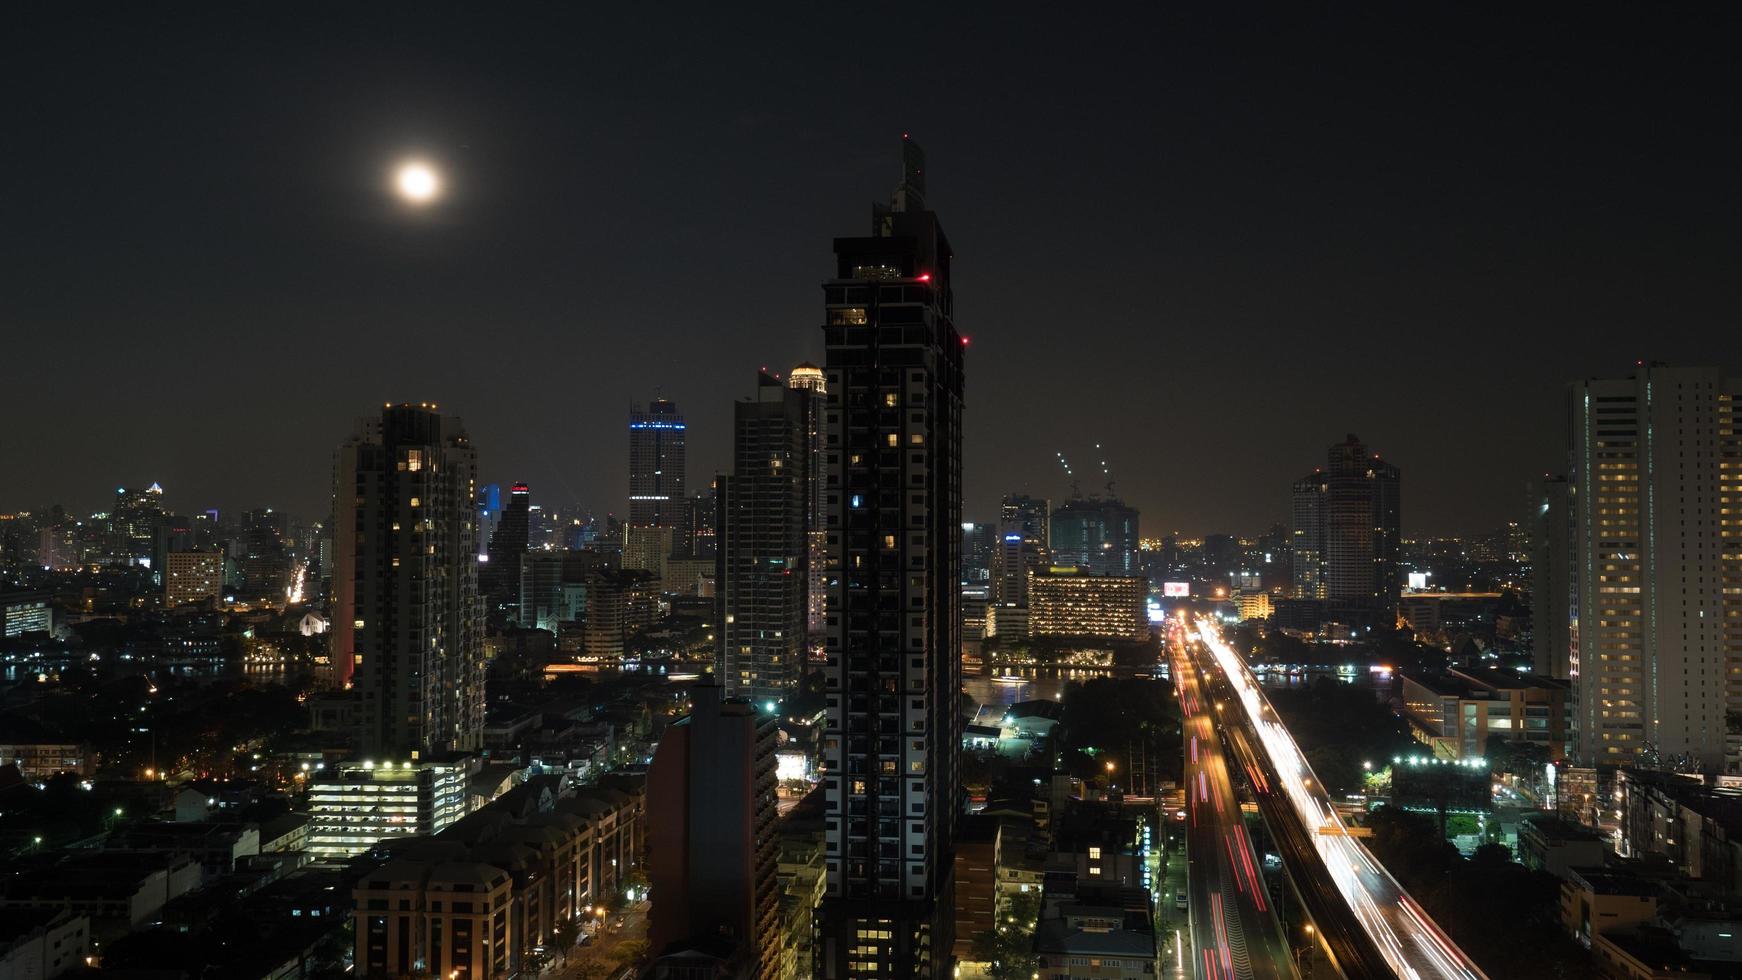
pixel 1213 240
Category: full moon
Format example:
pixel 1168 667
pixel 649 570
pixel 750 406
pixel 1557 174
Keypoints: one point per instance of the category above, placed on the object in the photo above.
pixel 417 182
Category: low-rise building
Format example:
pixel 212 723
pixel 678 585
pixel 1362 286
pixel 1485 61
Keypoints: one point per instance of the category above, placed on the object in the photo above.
pixel 1094 930
pixel 40 760
pixel 1461 712
pixel 1549 843
pixel 42 944
pixel 216 846
pixel 119 891
pixel 357 805
pixel 541 854
pixel 1595 901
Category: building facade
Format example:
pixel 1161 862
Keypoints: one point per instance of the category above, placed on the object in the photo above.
pixel 1099 534
pixel 192 576
pixel 354 807
pixel 1655 621
pixel 764 556
pixel 893 513
pixel 657 463
pixel 406 583
pixel 713 852
pixel 1065 602
pixel 1347 533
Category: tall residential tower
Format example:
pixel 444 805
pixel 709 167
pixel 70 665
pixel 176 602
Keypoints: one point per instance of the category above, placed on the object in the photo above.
pixel 405 582
pixel 1655 638
pixel 893 513
pixel 763 561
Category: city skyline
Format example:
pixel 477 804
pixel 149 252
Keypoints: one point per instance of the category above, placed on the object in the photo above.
pixel 1407 288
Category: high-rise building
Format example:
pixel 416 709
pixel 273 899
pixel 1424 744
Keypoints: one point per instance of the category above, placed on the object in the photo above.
pixel 1064 603
pixel 261 558
pixel 713 851
pixel 763 562
pixel 1654 641
pixel 499 577
pixel 406 582
pixel 809 378
pixel 137 513
pixel 1098 534
pixel 656 465
pixel 1024 544
pixel 1347 533
pixel 893 515
pixel 192 576
pixel 979 543
pixel 1551 576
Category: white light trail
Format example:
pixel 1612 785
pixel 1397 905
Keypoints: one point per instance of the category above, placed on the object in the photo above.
pixel 1411 943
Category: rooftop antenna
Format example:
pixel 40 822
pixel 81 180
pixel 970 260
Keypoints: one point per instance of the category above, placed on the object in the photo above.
pixel 1076 491
pixel 1106 471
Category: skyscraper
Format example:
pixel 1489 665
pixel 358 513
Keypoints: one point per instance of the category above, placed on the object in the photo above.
pixel 656 484
pixel 137 513
pixel 406 582
pixel 808 377
pixel 1551 569
pixel 499 579
pixel 893 512
pixel 763 561
pixel 1655 621
pixel 1347 532
pixel 1099 534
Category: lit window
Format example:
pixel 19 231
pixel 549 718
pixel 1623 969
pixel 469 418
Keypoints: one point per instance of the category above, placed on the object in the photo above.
pixel 415 502
pixel 893 440
pixel 1094 854
pixel 1094 869
pixel 889 399
pixel 414 460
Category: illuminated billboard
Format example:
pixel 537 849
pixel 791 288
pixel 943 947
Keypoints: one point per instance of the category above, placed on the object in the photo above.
pixel 1418 580
pixel 1176 589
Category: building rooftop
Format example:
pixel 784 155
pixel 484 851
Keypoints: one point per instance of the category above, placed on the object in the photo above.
pixel 1557 830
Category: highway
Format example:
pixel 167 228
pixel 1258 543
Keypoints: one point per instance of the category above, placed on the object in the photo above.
pixel 1234 930
pixel 1370 924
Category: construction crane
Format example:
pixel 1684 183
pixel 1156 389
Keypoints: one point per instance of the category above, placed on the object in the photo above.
pixel 1106 471
pixel 1076 491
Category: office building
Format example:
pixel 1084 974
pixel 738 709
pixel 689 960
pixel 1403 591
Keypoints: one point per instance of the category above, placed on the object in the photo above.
pixel 619 605
pixel 656 484
pixel 893 514
pixel 355 806
pixel 1655 641
pixel 262 561
pixel 764 558
pixel 979 544
pixel 499 574
pixel 1347 534
pixel 1066 602
pixel 1024 533
pixel 407 625
pixel 24 612
pixel 1098 534
pixel 714 849
pixel 192 576
pixel 137 513
pixel 1551 577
